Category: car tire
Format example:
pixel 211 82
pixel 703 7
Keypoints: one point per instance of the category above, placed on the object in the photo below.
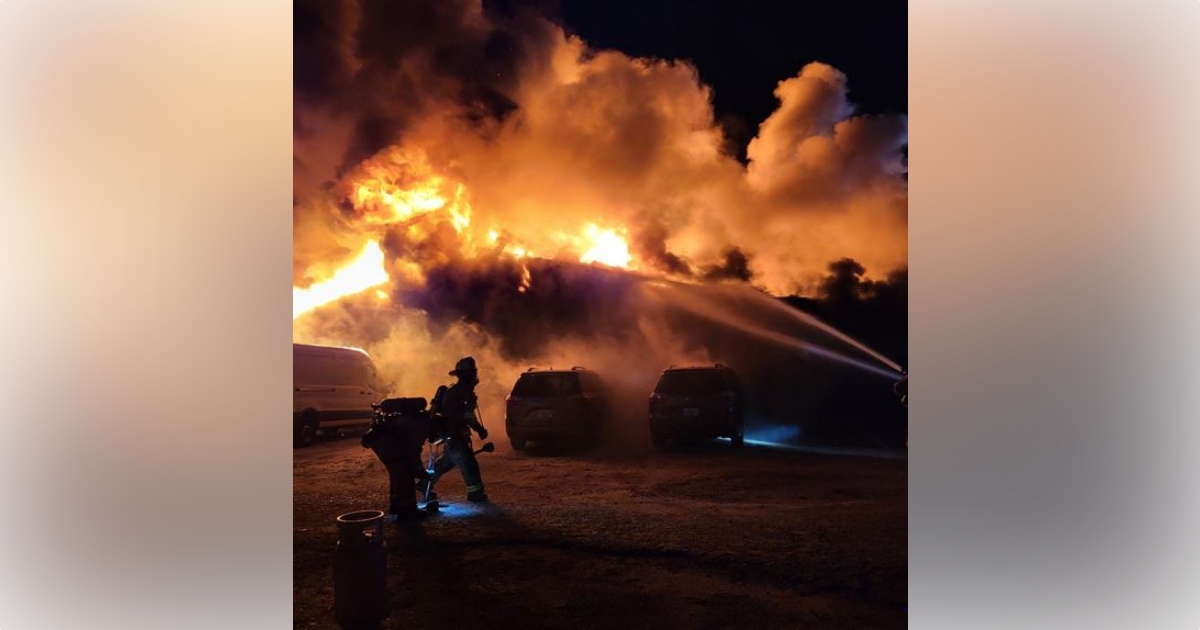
pixel 517 444
pixel 305 429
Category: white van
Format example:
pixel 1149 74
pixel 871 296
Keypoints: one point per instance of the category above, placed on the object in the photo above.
pixel 333 388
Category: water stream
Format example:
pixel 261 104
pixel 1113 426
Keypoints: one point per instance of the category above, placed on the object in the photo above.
pixel 755 313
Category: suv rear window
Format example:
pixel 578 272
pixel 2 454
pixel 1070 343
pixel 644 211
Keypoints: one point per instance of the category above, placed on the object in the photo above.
pixel 691 382
pixel 547 385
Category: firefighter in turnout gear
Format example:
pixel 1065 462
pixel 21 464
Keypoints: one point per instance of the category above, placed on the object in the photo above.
pixel 456 415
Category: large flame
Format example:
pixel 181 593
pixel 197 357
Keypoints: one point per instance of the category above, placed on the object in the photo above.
pixel 362 273
pixel 399 191
pixel 608 247
pixel 426 199
pixel 394 187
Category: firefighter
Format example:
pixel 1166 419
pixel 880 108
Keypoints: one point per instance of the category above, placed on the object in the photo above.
pixel 397 434
pixel 456 416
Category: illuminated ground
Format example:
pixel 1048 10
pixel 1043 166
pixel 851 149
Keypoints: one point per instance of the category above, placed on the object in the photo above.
pixel 704 536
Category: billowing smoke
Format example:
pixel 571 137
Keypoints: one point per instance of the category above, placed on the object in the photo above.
pixel 489 153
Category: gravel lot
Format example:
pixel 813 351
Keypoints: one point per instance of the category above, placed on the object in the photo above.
pixel 701 536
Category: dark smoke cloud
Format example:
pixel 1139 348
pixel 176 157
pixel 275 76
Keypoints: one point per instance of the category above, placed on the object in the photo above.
pixel 735 267
pixel 650 245
pixel 323 62
pixel 378 66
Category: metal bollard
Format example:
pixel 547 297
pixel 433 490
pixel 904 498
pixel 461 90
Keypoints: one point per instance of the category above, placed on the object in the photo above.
pixel 360 591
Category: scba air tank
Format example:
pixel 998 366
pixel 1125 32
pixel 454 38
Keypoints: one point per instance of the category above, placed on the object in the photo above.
pixel 360 591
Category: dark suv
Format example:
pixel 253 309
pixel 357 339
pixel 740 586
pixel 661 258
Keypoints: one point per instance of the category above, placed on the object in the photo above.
pixel 697 402
pixel 554 405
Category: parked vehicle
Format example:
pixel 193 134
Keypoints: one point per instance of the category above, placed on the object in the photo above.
pixel 333 388
pixel 556 405
pixel 697 402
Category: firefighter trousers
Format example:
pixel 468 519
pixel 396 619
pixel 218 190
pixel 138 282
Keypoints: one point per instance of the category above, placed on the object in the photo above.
pixel 460 452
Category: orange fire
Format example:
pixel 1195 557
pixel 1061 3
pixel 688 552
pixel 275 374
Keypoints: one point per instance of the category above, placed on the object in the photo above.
pixel 400 190
pixel 609 248
pixel 396 186
pixel 362 273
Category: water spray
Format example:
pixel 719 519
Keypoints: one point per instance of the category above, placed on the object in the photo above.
pixel 823 327
pixel 718 311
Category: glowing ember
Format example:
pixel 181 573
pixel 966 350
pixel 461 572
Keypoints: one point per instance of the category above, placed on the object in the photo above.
pixel 362 273
pixel 608 248
pixel 526 280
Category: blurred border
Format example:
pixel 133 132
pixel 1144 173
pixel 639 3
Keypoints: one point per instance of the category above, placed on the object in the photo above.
pixel 144 186
pixel 1053 181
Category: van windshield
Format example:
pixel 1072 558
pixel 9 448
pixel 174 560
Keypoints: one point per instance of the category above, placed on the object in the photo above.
pixel 547 385
pixel 691 383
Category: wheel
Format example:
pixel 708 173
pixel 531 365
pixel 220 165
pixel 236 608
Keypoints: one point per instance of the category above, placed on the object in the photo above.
pixel 737 440
pixel 517 444
pixel 304 429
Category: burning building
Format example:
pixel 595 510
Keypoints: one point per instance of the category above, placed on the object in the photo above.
pixel 471 182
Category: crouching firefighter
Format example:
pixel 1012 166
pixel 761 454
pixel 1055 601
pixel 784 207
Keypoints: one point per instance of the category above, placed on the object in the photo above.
pixel 455 412
pixel 397 434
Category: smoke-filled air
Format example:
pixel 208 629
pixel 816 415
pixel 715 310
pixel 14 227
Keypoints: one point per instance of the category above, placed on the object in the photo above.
pixel 470 183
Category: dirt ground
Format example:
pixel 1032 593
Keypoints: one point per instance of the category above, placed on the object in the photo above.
pixel 701 536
